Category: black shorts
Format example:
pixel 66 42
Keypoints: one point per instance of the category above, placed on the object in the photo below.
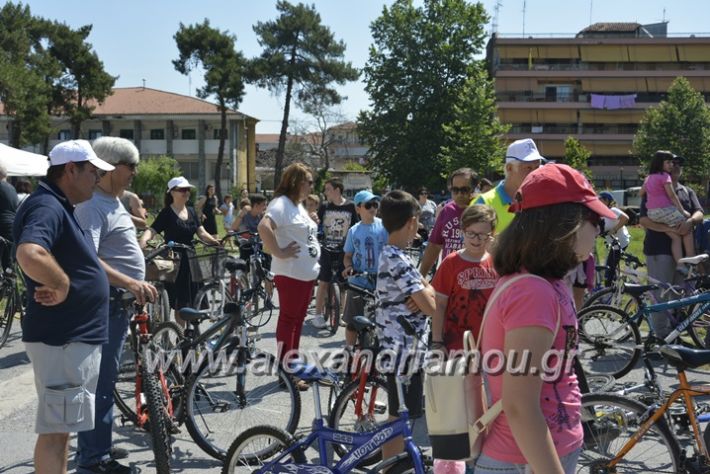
pixel 327 260
pixel 413 396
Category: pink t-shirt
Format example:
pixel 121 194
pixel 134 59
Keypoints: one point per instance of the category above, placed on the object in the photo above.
pixel 532 302
pixel 656 195
pixel 447 229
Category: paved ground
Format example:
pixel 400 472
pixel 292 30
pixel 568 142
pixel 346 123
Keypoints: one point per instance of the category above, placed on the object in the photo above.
pixel 18 406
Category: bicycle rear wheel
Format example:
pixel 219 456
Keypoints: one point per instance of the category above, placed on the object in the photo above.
pixel 699 330
pixel 227 396
pixel 160 309
pixel 7 315
pixel 609 342
pixel 332 307
pixel 156 400
pixel 609 422
pixel 258 446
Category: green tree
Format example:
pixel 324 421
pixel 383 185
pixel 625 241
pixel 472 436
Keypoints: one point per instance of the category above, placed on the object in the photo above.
pixel 213 50
pixel 681 124
pixel 473 138
pixel 577 156
pixel 419 65
pixel 153 177
pixel 83 81
pixel 301 56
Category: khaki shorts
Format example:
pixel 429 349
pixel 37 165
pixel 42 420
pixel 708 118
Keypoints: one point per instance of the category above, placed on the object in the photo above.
pixel 65 378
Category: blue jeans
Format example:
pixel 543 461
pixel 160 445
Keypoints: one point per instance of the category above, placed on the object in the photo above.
pixel 94 446
pixel 486 465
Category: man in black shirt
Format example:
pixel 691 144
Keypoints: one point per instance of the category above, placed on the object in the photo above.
pixel 657 245
pixel 8 206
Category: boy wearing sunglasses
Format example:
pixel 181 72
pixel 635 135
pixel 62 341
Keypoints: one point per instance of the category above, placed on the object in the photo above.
pixel 363 245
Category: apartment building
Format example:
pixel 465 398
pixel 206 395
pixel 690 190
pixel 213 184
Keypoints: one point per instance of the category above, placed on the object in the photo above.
pixel 165 123
pixel 594 86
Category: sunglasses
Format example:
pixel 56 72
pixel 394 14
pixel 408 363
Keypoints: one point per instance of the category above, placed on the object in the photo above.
pixel 423 194
pixel 476 236
pixel 181 190
pixel 462 190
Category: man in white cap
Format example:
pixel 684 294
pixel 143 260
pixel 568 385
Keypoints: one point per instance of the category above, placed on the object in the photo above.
pixel 521 159
pixel 68 293
pixel 108 224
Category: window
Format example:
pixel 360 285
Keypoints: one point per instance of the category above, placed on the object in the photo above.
pixel 217 135
pixel 95 133
pixel 157 134
pixel 189 134
pixel 190 170
pixel 126 133
pixel 64 135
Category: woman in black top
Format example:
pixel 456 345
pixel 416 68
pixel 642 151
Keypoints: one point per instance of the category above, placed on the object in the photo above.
pixel 207 205
pixel 179 223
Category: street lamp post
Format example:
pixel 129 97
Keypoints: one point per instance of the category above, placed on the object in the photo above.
pixel 621 177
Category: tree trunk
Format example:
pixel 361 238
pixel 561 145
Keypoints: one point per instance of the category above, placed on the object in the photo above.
pixel 76 119
pixel 278 166
pixel 220 151
pixel 15 134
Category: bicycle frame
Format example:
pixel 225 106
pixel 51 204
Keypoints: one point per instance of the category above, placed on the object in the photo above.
pixel 687 392
pixel 363 445
pixel 646 311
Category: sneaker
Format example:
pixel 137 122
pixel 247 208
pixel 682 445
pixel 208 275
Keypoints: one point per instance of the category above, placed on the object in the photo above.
pixel 318 321
pixel 118 453
pixel 108 466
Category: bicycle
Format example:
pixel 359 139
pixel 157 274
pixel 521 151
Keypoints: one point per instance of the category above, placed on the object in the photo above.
pixel 610 341
pixel 259 279
pixel 10 294
pixel 282 453
pixel 333 298
pixel 622 435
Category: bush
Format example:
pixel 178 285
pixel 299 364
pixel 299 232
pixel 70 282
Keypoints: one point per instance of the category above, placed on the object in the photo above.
pixel 152 179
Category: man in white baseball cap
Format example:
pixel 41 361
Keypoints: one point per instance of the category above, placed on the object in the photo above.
pixel 66 320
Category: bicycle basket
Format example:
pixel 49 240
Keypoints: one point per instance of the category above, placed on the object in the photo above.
pixel 207 265
pixel 163 268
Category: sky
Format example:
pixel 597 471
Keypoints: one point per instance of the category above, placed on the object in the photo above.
pixel 134 38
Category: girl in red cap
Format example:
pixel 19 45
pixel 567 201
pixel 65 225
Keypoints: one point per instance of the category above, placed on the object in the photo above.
pixel 531 327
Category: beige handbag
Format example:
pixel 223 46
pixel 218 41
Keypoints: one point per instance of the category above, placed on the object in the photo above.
pixel 450 391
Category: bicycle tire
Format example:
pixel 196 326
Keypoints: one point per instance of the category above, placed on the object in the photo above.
pixel 629 304
pixel 7 315
pixel 159 433
pixel 406 465
pixel 332 308
pixel 600 383
pixel 238 462
pixel 609 422
pixel 124 395
pixel 699 330
pixel 160 309
pixel 346 399
pixel 213 297
pixel 605 329
pixel 215 413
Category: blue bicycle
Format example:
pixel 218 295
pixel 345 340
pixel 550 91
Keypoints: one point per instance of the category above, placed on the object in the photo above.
pixel 267 449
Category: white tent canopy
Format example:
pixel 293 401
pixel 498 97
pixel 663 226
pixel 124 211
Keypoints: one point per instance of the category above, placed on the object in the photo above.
pixel 22 163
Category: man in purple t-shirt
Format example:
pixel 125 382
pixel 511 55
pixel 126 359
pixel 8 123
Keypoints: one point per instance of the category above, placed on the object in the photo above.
pixel 446 233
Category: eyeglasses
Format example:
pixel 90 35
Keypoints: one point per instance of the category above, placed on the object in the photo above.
pixel 476 236
pixel 181 190
pixel 423 194
pixel 371 204
pixel 462 190
pixel 131 166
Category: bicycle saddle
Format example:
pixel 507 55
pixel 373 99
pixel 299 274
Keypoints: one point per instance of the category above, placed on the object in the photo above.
pixel 235 264
pixel 694 260
pixel 191 314
pixel 682 357
pixel 312 373
pixel 361 323
pixel 638 290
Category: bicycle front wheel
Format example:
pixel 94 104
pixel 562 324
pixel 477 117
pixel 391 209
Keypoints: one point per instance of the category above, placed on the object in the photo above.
pixel 609 422
pixel 332 308
pixel 156 400
pixel 699 330
pixel 7 315
pixel 609 342
pixel 227 396
pixel 258 446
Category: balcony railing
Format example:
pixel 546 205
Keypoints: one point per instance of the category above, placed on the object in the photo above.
pixel 541 65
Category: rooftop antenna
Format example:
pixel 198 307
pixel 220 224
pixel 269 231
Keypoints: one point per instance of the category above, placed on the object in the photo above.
pixel 664 14
pixel 143 83
pixel 591 6
pixel 189 85
pixel 524 9
pixel 496 16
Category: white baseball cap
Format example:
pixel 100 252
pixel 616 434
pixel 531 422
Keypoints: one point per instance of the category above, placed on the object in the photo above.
pixel 179 182
pixel 523 150
pixel 76 151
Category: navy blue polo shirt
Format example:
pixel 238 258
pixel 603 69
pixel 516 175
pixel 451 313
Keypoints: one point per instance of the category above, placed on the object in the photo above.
pixel 46 218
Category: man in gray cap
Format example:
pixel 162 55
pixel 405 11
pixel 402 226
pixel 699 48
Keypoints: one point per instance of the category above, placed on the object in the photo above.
pixel 67 309
pixel 108 224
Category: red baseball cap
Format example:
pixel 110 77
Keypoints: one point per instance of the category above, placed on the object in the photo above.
pixel 557 184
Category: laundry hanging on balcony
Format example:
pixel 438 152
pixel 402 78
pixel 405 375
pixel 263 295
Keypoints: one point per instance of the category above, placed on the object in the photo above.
pixel 612 102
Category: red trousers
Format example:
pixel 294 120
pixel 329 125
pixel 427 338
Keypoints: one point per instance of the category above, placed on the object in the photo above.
pixel 294 296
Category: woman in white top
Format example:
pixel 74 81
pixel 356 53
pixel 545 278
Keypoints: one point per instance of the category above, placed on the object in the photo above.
pixel 290 236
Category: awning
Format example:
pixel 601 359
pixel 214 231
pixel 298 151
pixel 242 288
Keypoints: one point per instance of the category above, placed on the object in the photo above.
pixel 22 163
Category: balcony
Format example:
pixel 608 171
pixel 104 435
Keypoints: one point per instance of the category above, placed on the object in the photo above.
pixel 185 147
pixel 153 147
